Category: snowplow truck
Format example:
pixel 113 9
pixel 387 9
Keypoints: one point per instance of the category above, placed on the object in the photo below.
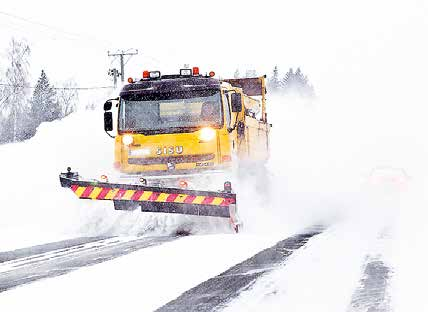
pixel 177 140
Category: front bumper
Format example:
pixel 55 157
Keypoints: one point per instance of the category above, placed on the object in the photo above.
pixel 212 180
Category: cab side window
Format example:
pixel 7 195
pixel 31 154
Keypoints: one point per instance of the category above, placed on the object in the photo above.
pixel 226 108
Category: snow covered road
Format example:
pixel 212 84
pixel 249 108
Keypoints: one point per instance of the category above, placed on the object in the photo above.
pixel 145 279
pixel 295 272
pixel 341 269
pixel 218 291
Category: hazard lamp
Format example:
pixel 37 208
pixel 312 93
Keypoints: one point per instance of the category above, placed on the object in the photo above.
pixel 212 74
pixel 151 74
pixel 130 80
pixel 195 71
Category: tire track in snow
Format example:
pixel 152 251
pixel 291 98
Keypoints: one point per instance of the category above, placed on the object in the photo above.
pixel 371 295
pixel 217 291
pixel 38 250
pixel 30 266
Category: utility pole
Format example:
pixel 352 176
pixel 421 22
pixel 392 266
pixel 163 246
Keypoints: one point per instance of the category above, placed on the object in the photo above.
pixel 114 73
pixel 122 55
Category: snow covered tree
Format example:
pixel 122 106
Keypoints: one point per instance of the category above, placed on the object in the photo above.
pixel 295 83
pixel 288 80
pixel 250 73
pixel 236 74
pixel 5 133
pixel 273 82
pixel 44 104
pixel 68 97
pixel 2 91
pixel 15 89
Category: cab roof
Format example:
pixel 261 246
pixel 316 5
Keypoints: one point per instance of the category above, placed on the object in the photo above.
pixel 171 83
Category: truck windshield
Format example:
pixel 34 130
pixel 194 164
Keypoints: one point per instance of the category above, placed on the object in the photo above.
pixel 170 112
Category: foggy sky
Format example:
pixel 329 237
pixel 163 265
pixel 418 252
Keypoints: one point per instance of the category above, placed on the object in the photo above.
pixel 325 38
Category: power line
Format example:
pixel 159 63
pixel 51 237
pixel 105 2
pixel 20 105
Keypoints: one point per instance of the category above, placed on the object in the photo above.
pixel 77 36
pixel 37 23
pixel 53 28
pixel 58 88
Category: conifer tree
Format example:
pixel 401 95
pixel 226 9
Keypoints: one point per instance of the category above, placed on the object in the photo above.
pixel 44 104
pixel 295 83
pixel 288 80
pixel 273 82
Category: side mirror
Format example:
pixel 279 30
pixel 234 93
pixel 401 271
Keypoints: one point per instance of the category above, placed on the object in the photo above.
pixel 107 105
pixel 108 121
pixel 236 102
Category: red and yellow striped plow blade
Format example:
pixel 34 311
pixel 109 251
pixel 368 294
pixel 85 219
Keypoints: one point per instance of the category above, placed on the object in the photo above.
pixel 105 193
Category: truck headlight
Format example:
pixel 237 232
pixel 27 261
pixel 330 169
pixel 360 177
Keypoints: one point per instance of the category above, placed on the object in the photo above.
pixel 127 139
pixel 207 134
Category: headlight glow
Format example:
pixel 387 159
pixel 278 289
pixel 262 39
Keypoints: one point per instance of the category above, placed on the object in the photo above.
pixel 127 139
pixel 207 134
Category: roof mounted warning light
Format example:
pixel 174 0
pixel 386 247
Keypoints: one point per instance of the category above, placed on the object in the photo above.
pixel 195 71
pixel 185 72
pixel 155 74
pixel 151 74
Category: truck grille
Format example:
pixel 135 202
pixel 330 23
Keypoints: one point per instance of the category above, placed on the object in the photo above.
pixel 170 159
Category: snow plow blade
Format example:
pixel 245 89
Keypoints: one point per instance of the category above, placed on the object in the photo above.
pixel 154 199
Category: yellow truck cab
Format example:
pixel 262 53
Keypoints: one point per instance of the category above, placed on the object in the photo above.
pixel 173 129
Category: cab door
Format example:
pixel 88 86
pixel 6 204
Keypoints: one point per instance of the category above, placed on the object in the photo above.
pixel 228 142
